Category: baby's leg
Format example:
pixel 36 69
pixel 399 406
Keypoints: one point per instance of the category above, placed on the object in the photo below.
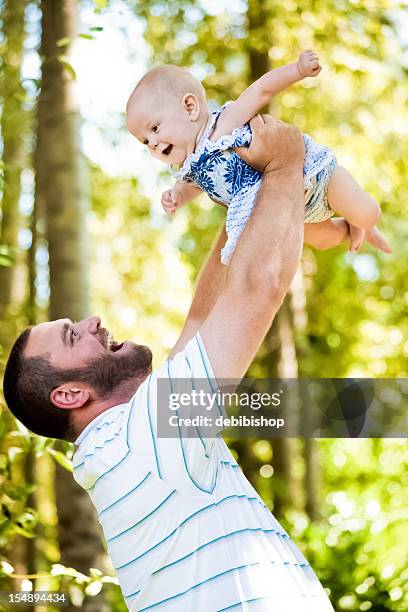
pixel 332 232
pixel 349 200
pixel 326 234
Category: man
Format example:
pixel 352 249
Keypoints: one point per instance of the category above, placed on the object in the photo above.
pixel 184 528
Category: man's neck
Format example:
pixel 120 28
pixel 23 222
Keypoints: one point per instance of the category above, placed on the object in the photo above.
pixel 81 417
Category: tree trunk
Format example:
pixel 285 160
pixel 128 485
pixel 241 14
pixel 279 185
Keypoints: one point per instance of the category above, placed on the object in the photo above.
pixel 61 166
pixel 282 363
pixel 258 43
pixel 310 449
pixel 13 126
pixel 13 123
pixel 62 189
pixel 312 479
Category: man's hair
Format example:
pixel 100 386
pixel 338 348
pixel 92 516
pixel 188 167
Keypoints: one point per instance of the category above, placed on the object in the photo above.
pixel 27 387
pixel 171 79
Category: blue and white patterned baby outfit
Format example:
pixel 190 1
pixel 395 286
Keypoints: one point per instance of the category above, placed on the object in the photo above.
pixel 220 172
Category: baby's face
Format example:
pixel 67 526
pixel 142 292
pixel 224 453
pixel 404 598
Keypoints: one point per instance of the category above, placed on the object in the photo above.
pixel 162 125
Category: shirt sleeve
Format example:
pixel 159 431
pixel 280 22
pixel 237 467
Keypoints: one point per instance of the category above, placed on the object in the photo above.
pixel 194 389
pixel 188 412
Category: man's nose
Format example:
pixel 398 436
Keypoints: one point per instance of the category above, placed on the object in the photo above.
pixel 93 324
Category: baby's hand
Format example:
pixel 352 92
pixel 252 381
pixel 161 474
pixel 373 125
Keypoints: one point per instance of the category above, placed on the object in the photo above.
pixel 169 206
pixel 308 64
pixel 171 200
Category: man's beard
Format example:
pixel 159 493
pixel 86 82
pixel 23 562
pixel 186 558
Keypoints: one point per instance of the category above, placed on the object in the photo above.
pixel 114 372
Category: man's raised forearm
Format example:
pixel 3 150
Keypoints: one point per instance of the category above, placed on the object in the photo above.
pixel 210 283
pixel 266 256
pixel 269 248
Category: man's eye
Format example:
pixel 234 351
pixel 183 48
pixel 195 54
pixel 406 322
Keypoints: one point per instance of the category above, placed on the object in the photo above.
pixel 73 336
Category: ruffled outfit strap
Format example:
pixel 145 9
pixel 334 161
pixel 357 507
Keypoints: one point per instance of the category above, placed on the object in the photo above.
pixel 184 170
pixel 240 137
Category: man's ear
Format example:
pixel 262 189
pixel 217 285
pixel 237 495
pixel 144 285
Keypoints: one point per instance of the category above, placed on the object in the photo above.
pixel 192 106
pixel 70 395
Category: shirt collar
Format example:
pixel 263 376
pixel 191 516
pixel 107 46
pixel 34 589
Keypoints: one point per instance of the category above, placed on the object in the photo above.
pixel 95 422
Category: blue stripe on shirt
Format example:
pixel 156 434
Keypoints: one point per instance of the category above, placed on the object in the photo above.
pixel 197 428
pixel 143 519
pixel 151 427
pixel 126 494
pixel 207 366
pixel 195 483
pixel 238 567
pixel 187 519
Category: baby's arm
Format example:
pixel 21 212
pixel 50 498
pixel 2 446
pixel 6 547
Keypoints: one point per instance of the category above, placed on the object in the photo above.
pixel 260 93
pixel 180 194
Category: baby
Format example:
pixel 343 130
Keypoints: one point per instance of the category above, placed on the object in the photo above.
pixel 167 111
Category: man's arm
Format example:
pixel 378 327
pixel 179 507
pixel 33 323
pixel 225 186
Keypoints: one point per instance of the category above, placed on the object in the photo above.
pixel 267 254
pixel 210 284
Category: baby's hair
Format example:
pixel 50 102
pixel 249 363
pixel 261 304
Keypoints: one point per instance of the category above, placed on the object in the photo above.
pixel 178 81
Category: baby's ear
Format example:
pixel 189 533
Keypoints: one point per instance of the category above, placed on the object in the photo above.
pixel 191 106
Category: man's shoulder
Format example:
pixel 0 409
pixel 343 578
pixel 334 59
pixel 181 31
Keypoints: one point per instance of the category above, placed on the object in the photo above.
pixel 102 443
pixel 191 362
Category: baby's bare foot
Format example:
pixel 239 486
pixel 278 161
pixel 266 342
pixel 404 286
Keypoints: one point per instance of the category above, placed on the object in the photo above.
pixel 377 239
pixel 357 235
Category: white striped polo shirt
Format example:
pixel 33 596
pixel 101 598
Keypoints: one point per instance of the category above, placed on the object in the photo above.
pixel 185 529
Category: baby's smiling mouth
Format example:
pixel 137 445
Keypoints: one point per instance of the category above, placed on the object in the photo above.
pixel 168 149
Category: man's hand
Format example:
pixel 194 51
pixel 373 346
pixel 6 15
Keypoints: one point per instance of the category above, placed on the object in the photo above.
pixel 274 146
pixel 308 64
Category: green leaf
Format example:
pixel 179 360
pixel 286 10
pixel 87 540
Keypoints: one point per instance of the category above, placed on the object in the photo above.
pixel 60 458
pixel 13 451
pixel 93 588
pixel 87 36
pixel 19 492
pixel 60 570
pixel 25 524
pixel 3 462
pixel 110 580
pixel 5 568
pixel 6 258
pixel 41 444
pixel 96 29
pixel 63 42
pixel 68 66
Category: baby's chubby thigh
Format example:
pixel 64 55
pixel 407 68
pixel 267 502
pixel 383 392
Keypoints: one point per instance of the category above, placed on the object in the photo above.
pixel 349 200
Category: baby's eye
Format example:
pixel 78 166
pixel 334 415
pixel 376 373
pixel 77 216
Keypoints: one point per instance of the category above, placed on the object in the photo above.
pixel 145 142
pixel 155 128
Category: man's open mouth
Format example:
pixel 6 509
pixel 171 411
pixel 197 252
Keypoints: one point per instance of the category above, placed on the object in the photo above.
pixel 168 149
pixel 110 343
